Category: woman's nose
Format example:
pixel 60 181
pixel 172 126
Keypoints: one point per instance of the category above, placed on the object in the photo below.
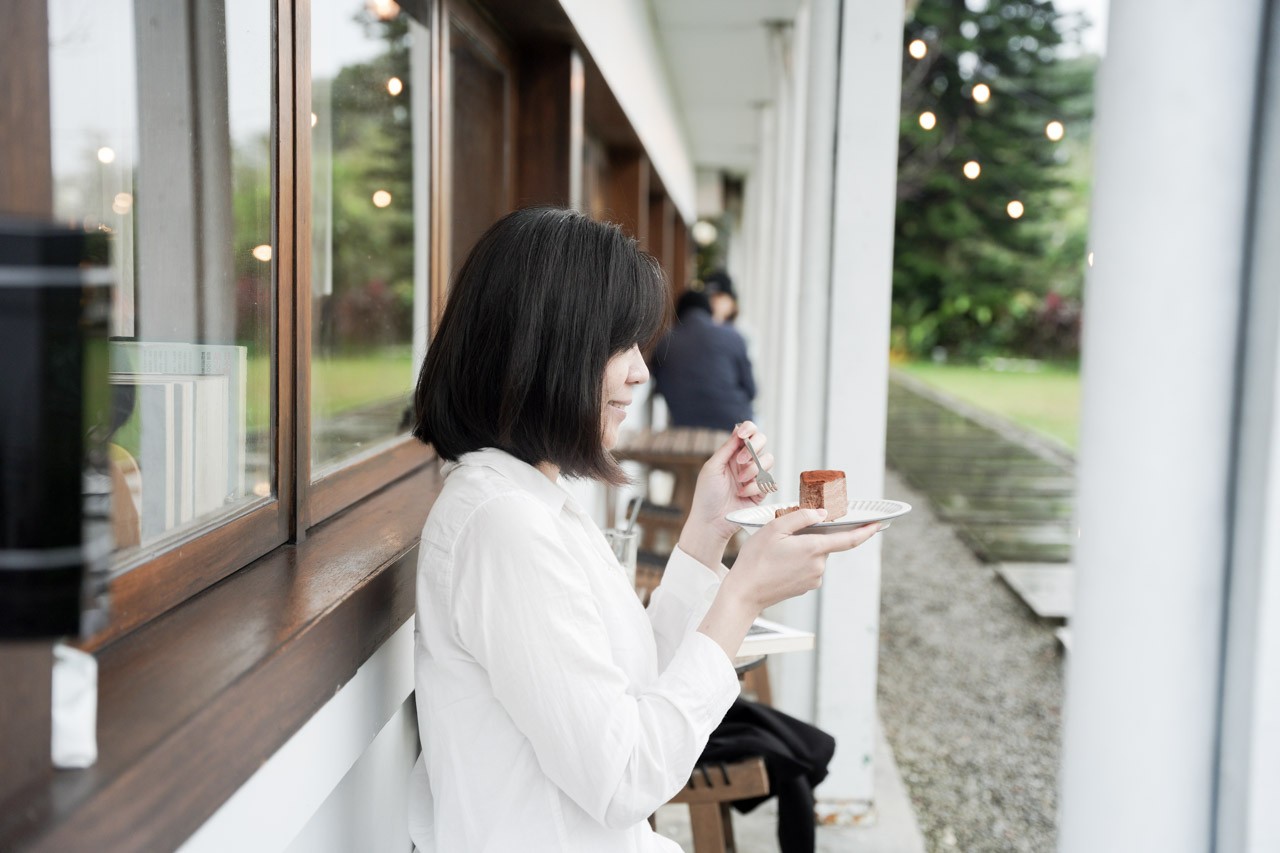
pixel 639 370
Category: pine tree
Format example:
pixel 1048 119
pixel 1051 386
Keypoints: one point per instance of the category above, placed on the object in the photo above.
pixel 968 275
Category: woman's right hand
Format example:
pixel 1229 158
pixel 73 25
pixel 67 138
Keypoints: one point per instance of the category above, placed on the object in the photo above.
pixel 778 562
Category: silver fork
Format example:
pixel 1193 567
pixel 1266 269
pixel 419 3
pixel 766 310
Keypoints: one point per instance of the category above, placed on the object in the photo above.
pixel 763 478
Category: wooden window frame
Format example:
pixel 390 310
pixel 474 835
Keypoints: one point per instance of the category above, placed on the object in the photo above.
pixel 143 591
pixel 156 583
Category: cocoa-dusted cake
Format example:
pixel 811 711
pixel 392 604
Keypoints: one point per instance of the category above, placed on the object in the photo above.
pixel 824 489
pixel 820 490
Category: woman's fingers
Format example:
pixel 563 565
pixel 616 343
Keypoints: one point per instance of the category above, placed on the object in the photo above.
pixel 758 441
pixel 750 471
pixel 847 539
pixel 794 521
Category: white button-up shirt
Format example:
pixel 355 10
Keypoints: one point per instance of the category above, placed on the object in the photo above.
pixel 556 713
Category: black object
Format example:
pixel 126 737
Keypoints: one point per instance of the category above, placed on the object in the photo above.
pixel 55 534
pixel 795 755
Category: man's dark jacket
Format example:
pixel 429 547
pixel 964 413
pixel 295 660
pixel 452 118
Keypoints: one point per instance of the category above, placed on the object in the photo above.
pixel 702 370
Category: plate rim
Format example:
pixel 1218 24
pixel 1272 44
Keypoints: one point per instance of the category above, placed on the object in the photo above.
pixel 904 508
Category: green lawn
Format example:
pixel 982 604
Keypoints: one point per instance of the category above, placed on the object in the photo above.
pixel 1047 401
pixel 337 384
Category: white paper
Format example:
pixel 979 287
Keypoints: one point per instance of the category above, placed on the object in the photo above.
pixel 75 708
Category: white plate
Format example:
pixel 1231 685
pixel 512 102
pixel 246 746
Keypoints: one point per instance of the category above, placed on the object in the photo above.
pixel 860 513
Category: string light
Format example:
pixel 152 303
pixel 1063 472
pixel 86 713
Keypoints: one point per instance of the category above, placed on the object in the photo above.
pixel 704 232
pixel 928 120
pixel 314 119
pixel 106 155
pixel 262 253
pixel 1090 259
pixel 381 198
pixel 1015 209
pixel 122 203
pixel 972 169
pixel 394 86
pixel 1054 130
pixel 918 49
pixel 982 93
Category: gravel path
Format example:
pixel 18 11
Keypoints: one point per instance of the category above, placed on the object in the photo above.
pixel 970 691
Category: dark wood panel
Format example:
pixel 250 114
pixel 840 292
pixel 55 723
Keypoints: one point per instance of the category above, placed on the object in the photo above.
pixel 597 176
pixel 629 192
pixel 26 188
pixel 545 167
pixel 191 705
pixel 479 113
pixel 526 22
pixel 662 231
pixel 681 256
pixel 26 169
pixel 26 670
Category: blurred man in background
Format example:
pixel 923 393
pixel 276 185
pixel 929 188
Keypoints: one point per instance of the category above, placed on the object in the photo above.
pixel 701 367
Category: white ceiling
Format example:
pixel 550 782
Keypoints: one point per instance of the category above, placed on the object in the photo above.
pixel 718 56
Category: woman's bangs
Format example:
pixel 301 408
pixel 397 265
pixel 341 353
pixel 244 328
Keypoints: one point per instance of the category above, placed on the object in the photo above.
pixel 641 303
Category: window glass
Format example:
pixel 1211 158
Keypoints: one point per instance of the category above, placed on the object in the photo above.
pixel 163 145
pixel 370 66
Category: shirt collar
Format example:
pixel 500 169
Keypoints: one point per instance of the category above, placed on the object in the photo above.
pixel 518 472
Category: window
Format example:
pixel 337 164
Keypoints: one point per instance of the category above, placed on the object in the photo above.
pixel 370 236
pixel 178 178
pixel 266 331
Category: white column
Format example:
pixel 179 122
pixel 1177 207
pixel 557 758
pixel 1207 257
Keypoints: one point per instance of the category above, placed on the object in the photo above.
pixel 1171 186
pixel 793 676
pixel 857 386
pixel 1249 761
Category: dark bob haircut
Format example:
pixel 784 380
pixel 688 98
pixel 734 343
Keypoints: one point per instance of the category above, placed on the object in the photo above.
pixel 544 300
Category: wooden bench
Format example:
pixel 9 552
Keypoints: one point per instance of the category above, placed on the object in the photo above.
pixel 710 791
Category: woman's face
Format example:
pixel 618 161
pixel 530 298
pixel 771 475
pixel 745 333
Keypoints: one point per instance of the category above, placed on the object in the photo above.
pixel 623 371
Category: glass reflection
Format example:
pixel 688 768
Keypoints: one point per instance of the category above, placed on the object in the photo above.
pixel 179 179
pixel 370 101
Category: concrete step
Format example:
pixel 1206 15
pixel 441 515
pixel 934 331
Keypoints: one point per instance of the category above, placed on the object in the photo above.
pixel 1047 588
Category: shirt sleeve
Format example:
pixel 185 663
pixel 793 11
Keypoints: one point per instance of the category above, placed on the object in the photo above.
pixel 525 610
pixel 678 604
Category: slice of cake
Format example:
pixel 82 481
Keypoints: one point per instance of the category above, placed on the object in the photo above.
pixel 824 490
pixel 781 511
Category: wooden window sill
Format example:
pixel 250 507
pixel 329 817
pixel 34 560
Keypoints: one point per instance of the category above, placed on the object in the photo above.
pixel 191 704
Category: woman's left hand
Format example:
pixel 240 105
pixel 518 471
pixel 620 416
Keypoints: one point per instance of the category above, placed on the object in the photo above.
pixel 727 482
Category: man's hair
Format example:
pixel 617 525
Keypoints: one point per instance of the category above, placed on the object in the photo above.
pixel 543 301
pixel 691 299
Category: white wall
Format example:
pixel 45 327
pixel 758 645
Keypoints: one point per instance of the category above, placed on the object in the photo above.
pixel 341 778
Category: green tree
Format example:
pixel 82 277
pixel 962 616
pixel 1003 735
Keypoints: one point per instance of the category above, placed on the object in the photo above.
pixel 372 151
pixel 968 276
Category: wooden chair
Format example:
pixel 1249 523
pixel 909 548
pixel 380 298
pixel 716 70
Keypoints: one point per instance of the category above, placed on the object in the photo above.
pixel 710 791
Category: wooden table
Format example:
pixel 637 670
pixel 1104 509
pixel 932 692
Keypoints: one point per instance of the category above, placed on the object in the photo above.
pixel 679 450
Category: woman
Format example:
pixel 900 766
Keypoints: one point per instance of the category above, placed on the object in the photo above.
pixel 557 714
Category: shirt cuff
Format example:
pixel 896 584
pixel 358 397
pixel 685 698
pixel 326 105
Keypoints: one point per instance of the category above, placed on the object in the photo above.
pixel 689 580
